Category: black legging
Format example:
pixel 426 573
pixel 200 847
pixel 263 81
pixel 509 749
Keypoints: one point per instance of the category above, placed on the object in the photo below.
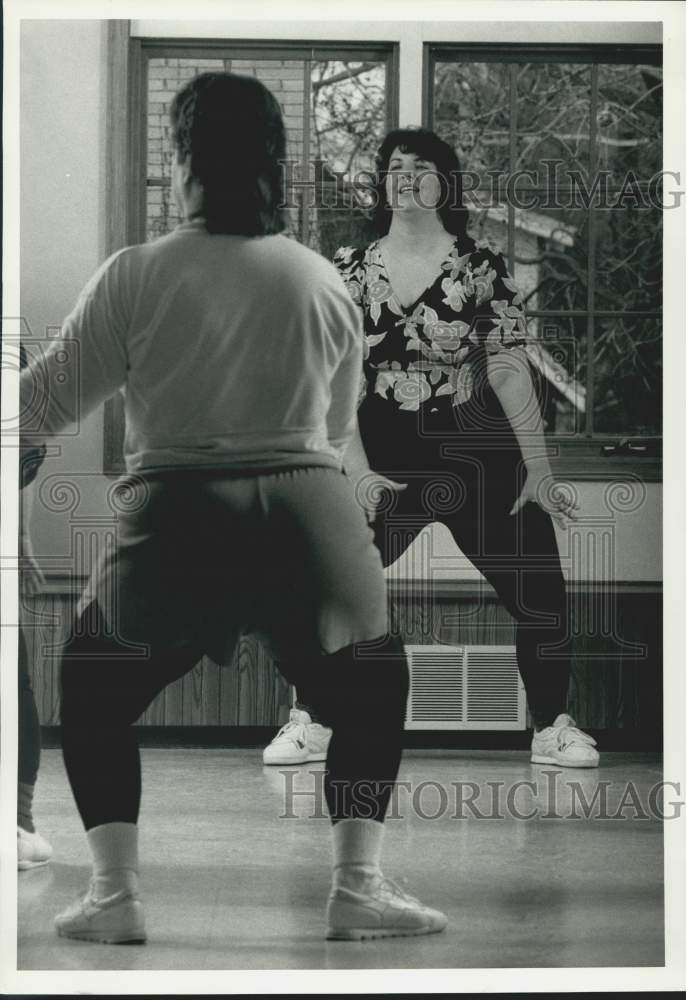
pixel 469 479
pixel 360 691
pixel 28 722
pixel 518 556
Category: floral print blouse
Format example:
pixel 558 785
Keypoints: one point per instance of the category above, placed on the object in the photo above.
pixel 426 350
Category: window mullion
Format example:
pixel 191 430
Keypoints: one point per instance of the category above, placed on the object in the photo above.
pixel 305 162
pixel 591 265
pixel 513 164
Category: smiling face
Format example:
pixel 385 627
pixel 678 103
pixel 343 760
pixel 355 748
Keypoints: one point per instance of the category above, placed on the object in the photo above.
pixel 412 183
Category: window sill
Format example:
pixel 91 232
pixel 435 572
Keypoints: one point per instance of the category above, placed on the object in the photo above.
pixel 584 461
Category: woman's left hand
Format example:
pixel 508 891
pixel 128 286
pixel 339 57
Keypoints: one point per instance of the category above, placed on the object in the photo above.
pixel 550 497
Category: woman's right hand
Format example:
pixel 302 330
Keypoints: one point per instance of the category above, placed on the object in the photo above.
pixel 369 488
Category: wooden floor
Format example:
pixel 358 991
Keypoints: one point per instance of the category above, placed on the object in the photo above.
pixel 229 883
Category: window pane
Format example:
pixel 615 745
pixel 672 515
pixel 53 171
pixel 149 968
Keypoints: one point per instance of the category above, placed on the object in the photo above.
pixel 347 124
pixel 550 265
pixel 472 112
pixel 628 377
pixel 629 257
pixel 349 104
pixel 553 112
pixel 559 356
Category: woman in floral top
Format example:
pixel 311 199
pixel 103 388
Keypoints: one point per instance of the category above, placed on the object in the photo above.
pixel 449 415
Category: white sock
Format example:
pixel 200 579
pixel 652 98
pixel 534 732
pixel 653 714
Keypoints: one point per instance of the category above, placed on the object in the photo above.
pixel 114 849
pixel 357 852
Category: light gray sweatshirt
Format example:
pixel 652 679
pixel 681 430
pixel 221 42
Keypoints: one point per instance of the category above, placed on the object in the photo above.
pixel 231 351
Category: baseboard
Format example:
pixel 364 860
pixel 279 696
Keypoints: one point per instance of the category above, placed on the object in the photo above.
pixel 615 740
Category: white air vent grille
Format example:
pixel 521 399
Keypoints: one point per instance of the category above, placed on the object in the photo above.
pixel 464 687
pixel 493 686
pixel 437 688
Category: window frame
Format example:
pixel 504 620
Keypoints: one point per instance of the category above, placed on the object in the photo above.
pixel 580 457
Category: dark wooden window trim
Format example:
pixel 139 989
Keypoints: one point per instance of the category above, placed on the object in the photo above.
pixel 581 458
pixel 123 192
pixel 404 588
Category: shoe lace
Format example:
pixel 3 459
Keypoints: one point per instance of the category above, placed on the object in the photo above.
pixel 294 730
pixel 89 896
pixel 82 897
pixel 569 735
pixel 397 888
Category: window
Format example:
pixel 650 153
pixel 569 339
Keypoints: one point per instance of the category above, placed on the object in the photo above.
pixel 561 148
pixel 338 100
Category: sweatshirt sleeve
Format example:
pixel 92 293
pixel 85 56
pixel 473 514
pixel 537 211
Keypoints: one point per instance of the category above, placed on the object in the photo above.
pixel 86 364
pixel 341 418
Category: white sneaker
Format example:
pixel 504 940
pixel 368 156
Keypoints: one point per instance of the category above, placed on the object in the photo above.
pixel 563 744
pixel 299 741
pixel 115 919
pixel 32 849
pixel 384 911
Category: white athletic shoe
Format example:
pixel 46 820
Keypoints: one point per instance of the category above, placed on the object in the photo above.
pixel 301 740
pixel 563 744
pixel 384 911
pixel 115 919
pixel 32 849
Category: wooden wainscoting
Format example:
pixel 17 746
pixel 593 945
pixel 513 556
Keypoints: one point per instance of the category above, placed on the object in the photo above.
pixel 247 692
pixel 616 677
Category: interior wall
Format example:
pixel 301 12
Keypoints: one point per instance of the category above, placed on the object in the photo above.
pixel 617 538
pixel 62 135
pixel 63 115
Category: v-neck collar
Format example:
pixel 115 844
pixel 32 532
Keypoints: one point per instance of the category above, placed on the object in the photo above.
pixel 375 249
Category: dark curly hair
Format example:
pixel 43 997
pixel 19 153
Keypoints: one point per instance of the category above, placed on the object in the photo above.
pixel 427 145
pixel 232 129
